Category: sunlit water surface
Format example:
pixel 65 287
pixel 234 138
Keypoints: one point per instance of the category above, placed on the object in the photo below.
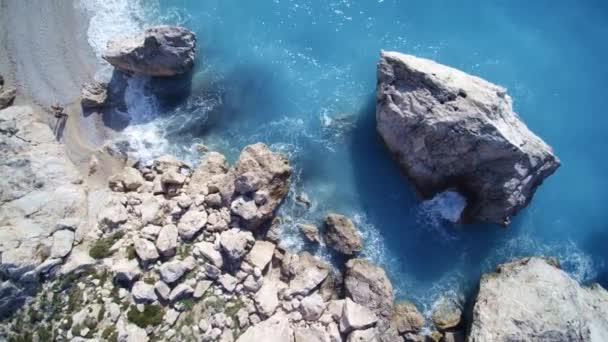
pixel 300 76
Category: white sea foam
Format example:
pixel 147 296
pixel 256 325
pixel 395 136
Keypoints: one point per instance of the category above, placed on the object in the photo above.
pixel 573 259
pixel 109 18
pixel 445 207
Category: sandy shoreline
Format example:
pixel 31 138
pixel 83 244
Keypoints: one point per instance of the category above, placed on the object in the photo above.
pixel 44 52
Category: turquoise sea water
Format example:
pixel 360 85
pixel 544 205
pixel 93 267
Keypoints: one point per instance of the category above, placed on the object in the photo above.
pixel 300 76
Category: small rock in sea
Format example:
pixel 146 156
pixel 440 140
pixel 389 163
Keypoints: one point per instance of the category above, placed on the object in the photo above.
pixel 94 95
pixel 342 235
pixel 447 314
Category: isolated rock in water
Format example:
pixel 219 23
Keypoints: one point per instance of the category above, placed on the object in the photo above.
pixel 369 286
pixel 157 51
pixel 94 95
pixel 448 129
pixel 263 177
pixel 531 299
pixel 447 314
pixel 341 235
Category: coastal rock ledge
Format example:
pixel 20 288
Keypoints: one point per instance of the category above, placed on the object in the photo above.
pixel 531 299
pixel 157 51
pixel 451 130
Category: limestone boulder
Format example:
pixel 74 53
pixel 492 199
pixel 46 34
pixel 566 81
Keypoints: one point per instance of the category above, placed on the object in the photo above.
pixel 368 285
pixel 356 317
pixel 342 235
pixel 275 328
pixel 235 244
pixel 262 176
pixel 157 51
pixel 307 273
pixel 451 130
pixel 166 242
pixel 94 95
pixel 532 299
pixel 191 223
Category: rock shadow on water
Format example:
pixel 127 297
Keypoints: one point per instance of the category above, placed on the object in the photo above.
pixel 167 93
pixel 391 205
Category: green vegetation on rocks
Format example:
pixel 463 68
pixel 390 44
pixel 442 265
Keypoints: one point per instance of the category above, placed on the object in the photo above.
pixel 151 316
pixel 101 247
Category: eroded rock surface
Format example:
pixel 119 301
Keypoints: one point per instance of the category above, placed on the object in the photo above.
pixel 448 129
pixel 531 299
pixel 157 51
pixel 39 188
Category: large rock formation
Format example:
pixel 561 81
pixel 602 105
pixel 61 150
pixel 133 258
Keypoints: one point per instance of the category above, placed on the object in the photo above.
pixel 157 51
pixel 449 129
pixel 531 299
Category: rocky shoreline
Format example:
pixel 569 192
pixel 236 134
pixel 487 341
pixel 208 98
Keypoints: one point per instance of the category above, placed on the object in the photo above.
pixel 169 251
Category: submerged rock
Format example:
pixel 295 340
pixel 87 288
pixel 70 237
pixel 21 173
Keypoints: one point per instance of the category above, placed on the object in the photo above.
pixel 448 129
pixel 531 299
pixel 157 51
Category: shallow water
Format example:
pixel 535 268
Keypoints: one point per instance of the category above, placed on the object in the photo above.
pixel 300 76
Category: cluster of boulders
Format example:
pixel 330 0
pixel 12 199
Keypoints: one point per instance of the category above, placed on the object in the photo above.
pixel 192 246
pixel 192 232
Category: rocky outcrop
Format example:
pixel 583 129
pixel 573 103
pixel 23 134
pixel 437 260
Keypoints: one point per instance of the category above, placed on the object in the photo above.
pixel 94 95
pixel 451 130
pixel 42 200
pixel 368 285
pixel 261 183
pixel 531 299
pixel 341 235
pixel 157 51
pixel 174 262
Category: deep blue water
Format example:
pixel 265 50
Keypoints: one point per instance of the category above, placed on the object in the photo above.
pixel 300 76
